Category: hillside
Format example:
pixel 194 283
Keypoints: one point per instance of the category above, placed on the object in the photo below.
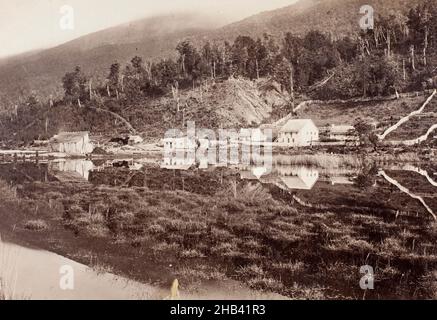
pixel 233 104
pixel 337 17
pixel 42 71
pixel 157 37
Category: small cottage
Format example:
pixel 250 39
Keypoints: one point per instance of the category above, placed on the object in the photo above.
pixel 342 133
pixel 298 133
pixel 181 143
pixel 72 143
pixel 133 140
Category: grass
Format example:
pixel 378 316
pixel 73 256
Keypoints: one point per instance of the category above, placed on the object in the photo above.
pixel 324 161
pixel 198 234
pixel 417 125
pixel 385 113
pixel 36 225
pixel 229 104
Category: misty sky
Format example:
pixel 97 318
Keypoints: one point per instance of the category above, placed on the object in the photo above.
pixel 33 24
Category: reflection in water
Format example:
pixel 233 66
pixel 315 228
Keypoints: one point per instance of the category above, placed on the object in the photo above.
pixel 72 168
pixel 174 163
pixel 405 190
pixel 328 190
pixel 285 176
pixel 300 178
pixel 35 274
pixel 418 170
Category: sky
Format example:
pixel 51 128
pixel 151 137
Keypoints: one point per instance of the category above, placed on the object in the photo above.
pixel 27 25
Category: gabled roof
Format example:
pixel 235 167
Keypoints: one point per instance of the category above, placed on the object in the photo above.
pixel 69 137
pixel 295 125
pixel 341 129
pixel 299 183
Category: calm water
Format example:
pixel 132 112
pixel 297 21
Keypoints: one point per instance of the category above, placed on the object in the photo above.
pixel 36 274
pixel 335 185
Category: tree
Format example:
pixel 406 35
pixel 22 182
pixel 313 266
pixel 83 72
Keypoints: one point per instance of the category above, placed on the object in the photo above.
pixel 138 64
pixel 380 76
pixel 282 73
pixel 166 72
pixel 347 48
pixel 137 80
pixel 272 51
pixel 365 133
pixel 311 57
pixel 367 177
pixel 422 25
pixel 208 61
pixel 262 59
pixel 75 86
pixel 114 78
pixel 189 60
pixel 244 57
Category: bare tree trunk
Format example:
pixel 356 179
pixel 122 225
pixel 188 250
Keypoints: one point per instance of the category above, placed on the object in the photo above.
pixel 78 103
pixel 403 69
pixel 367 47
pixel 375 37
pixel 183 65
pixel 425 47
pixel 257 69
pixel 292 86
pixel 364 86
pixel 149 70
pixel 175 91
pixel 183 118
pixel 91 89
pixel 388 44
pixel 108 91
pixel 122 83
pixel 413 64
pixel 201 93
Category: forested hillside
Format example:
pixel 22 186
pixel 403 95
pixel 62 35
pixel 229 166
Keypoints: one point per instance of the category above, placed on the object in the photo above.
pixel 154 38
pixel 398 55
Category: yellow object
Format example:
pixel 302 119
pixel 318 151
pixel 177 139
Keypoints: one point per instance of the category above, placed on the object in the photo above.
pixel 174 291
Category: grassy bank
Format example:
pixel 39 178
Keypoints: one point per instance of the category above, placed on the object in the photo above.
pixel 211 226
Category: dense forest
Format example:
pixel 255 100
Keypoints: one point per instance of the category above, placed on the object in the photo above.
pixel 398 55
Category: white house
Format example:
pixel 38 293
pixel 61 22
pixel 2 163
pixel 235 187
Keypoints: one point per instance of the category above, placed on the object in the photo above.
pixel 182 143
pixel 298 133
pixel 72 143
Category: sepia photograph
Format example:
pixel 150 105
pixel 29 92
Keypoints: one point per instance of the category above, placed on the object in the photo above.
pixel 218 150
